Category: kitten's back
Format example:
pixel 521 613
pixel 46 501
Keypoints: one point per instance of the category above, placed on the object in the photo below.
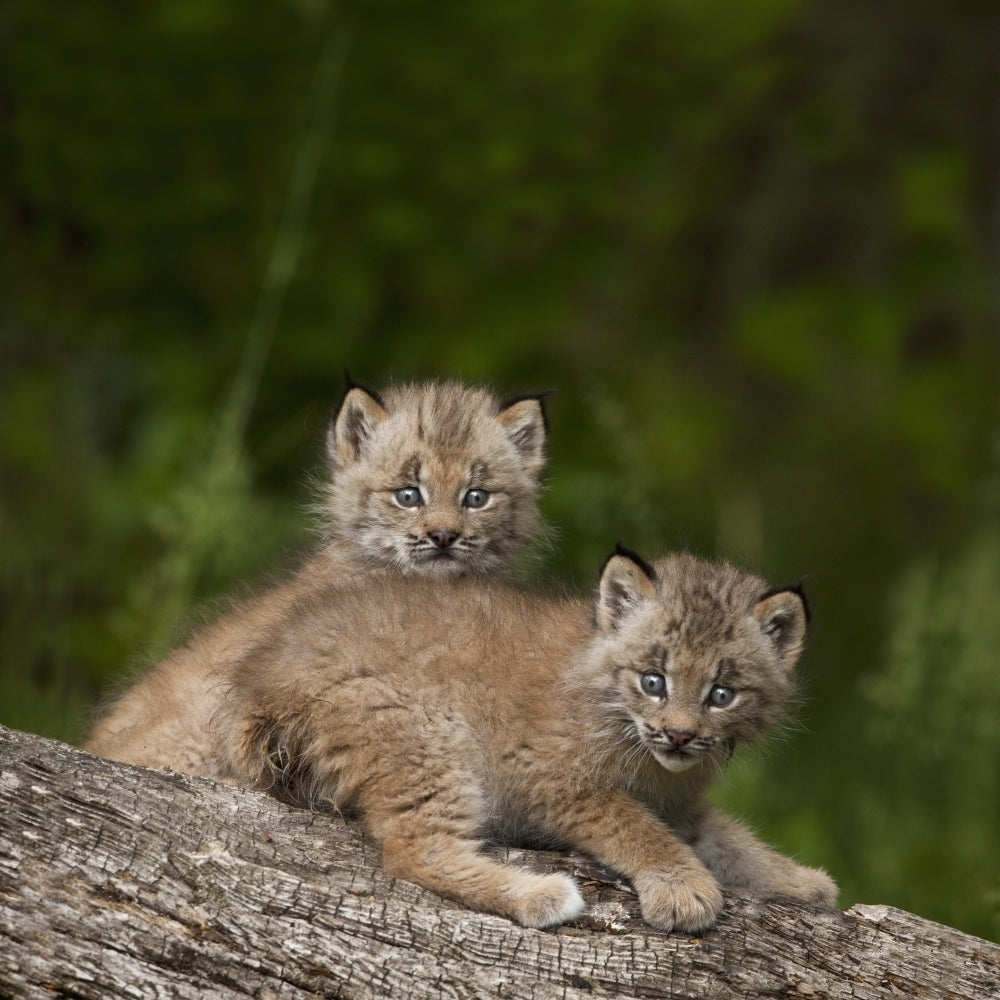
pixel 443 438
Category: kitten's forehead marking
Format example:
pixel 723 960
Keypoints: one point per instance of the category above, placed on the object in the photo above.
pixel 688 646
pixel 445 421
pixel 453 469
pixel 700 614
pixel 409 472
pixel 655 658
pixel 724 668
pixel 448 476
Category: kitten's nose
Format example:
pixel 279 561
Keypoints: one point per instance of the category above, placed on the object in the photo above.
pixel 442 538
pixel 679 737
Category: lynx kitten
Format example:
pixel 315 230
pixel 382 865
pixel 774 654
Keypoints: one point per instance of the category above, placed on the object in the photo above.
pixel 435 479
pixel 449 713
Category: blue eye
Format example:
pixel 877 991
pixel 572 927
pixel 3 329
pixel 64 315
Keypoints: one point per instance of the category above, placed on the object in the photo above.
pixel 721 697
pixel 653 684
pixel 408 496
pixel 475 499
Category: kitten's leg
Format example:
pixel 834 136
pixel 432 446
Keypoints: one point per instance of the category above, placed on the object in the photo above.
pixel 676 891
pixel 451 866
pixel 427 809
pixel 740 860
pixel 414 782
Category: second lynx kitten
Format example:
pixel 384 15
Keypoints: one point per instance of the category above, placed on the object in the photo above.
pixel 434 479
pixel 453 712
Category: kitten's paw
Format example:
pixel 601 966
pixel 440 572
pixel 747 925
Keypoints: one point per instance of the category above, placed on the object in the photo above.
pixel 546 900
pixel 687 899
pixel 811 884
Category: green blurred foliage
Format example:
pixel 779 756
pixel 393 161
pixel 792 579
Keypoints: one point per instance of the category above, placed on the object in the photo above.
pixel 756 249
pixel 937 696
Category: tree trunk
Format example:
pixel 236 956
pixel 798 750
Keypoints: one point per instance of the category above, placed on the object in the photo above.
pixel 117 881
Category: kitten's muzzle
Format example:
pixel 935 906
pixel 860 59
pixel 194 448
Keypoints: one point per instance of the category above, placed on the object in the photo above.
pixel 441 560
pixel 672 758
pixel 671 748
pixel 443 538
pixel 671 739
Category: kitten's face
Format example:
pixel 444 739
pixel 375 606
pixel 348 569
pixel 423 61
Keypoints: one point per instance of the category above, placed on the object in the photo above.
pixel 436 479
pixel 699 657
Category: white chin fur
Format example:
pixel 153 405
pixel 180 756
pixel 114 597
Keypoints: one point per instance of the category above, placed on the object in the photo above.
pixel 441 567
pixel 674 762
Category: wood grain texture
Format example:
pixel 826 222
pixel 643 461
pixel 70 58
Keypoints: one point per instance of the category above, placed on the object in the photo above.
pixel 117 881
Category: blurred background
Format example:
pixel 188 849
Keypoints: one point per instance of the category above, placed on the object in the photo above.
pixel 756 248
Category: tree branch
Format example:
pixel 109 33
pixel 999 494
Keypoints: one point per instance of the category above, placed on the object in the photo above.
pixel 117 881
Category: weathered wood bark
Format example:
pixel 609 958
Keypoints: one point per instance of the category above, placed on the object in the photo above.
pixel 121 882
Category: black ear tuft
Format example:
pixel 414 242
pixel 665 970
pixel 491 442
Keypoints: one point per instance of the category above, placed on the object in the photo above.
pixel 358 413
pixel 627 553
pixel 349 384
pixel 538 397
pixel 627 582
pixel 794 588
pixel 524 422
pixel 783 616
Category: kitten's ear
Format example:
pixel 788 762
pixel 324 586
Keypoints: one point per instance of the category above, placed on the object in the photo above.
pixel 523 418
pixel 783 615
pixel 359 413
pixel 626 581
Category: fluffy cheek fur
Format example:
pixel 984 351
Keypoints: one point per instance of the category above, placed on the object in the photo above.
pixel 495 533
pixel 758 711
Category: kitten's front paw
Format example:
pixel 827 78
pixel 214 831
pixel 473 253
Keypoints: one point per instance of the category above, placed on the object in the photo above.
pixel 546 900
pixel 684 899
pixel 811 884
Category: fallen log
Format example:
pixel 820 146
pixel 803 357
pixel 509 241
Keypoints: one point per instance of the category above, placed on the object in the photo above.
pixel 117 881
